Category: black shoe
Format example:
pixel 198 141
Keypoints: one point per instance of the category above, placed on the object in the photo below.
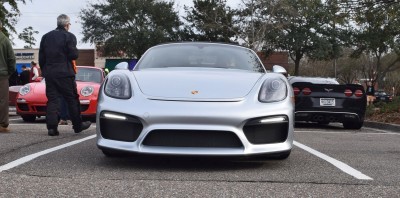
pixel 53 132
pixel 84 126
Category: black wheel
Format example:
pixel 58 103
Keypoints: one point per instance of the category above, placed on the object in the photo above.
pixel 353 125
pixel 29 118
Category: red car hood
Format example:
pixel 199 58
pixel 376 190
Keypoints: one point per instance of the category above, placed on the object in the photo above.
pixel 38 90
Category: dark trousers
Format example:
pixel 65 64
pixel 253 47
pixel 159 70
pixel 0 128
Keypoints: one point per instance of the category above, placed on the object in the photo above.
pixel 4 121
pixel 64 109
pixel 66 88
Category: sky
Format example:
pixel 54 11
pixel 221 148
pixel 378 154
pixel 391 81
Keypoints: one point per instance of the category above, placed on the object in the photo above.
pixel 42 16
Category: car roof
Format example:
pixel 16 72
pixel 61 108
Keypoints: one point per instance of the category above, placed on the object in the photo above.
pixel 200 43
pixel 314 80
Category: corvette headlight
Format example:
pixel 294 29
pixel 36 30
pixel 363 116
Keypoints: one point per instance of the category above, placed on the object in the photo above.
pixel 273 90
pixel 24 90
pixel 87 91
pixel 118 86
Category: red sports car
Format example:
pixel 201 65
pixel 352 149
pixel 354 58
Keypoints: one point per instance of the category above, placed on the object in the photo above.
pixel 31 101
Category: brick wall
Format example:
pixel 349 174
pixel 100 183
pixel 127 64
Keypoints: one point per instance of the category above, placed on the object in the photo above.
pixel 86 57
pixel 276 58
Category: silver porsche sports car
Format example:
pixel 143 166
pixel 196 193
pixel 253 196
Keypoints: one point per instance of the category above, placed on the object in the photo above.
pixel 198 99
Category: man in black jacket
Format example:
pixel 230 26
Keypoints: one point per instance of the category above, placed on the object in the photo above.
pixel 24 75
pixel 57 50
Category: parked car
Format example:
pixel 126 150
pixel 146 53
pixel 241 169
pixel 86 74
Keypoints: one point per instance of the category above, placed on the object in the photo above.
pixel 201 99
pixel 382 96
pixel 31 100
pixel 324 100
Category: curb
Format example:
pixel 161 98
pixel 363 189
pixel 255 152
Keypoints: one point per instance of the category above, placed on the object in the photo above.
pixel 384 126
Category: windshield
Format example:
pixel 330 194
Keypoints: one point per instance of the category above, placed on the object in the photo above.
pixel 88 75
pixel 201 55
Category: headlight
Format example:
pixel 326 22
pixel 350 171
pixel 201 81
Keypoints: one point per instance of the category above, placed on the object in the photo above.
pixel 87 91
pixel 24 90
pixel 273 90
pixel 118 86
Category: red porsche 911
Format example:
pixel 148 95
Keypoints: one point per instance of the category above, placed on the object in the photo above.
pixel 31 100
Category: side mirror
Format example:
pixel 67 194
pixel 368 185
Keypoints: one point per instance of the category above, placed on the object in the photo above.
pixel 279 69
pixel 122 65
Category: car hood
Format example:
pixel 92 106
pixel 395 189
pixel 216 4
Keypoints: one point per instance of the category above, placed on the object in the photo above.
pixel 203 84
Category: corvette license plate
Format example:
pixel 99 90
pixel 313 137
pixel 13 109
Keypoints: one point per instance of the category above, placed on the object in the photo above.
pixel 327 102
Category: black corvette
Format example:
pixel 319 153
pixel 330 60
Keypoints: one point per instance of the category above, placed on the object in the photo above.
pixel 324 100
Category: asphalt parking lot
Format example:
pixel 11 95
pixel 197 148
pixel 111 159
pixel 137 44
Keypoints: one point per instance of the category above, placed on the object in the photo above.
pixel 327 161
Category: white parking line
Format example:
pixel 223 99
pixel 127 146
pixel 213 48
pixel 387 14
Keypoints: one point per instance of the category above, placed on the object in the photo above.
pixel 28 158
pixel 379 132
pixel 342 166
pixel 16 119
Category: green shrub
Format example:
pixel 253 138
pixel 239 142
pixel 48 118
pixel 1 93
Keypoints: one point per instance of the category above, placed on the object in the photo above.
pixel 390 107
pixel 370 110
pixel 383 107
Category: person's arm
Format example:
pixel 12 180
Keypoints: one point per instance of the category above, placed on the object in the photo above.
pixel 42 55
pixel 35 73
pixel 11 60
pixel 72 50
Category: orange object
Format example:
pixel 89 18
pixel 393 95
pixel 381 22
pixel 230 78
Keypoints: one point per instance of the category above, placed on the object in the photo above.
pixel 74 65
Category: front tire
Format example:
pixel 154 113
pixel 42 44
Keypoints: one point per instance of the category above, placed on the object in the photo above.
pixel 28 118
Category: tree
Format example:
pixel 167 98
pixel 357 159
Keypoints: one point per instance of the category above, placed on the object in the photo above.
pixel 377 35
pixel 27 36
pixel 254 21
pixel 9 17
pixel 210 20
pixel 129 26
pixel 299 27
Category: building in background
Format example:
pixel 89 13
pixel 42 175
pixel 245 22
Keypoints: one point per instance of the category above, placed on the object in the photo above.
pixel 110 62
pixel 275 58
pixel 26 56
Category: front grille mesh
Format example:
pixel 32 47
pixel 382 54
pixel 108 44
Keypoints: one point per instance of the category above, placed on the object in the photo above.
pixel 121 130
pixel 23 107
pixel 193 138
pixel 266 133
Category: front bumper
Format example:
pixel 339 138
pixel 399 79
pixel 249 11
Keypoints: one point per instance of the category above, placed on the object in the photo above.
pixel 25 107
pixel 241 128
pixel 327 116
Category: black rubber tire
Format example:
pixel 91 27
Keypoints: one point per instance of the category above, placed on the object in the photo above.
pixel 353 125
pixel 28 118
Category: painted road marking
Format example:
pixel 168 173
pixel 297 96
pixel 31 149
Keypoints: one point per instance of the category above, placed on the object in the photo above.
pixel 28 158
pixel 16 119
pixel 380 132
pixel 342 166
